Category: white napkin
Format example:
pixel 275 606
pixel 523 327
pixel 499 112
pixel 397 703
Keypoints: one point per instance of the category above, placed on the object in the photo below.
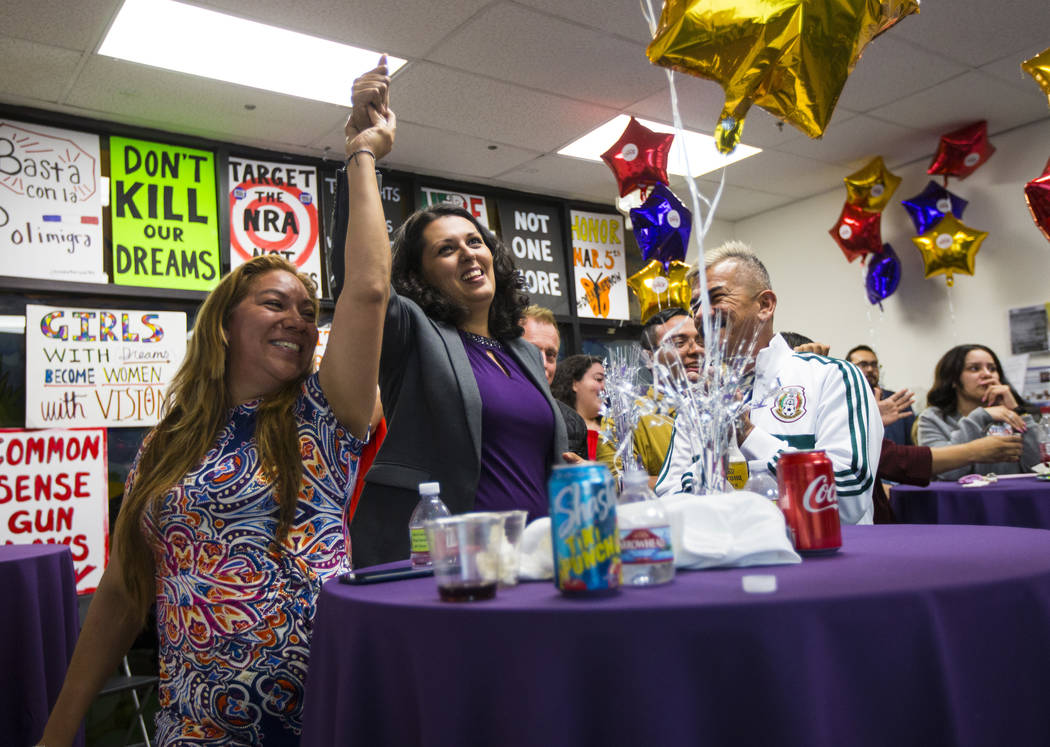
pixel 708 531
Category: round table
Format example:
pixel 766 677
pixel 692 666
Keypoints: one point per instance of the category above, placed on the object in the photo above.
pixel 1012 502
pixel 910 635
pixel 38 630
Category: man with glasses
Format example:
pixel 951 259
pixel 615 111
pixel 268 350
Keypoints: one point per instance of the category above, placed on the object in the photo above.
pixel 798 400
pixel 894 407
pixel 670 338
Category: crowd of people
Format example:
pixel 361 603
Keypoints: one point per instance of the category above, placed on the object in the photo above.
pixel 235 510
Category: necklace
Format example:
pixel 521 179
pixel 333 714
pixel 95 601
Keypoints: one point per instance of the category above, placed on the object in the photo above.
pixel 485 342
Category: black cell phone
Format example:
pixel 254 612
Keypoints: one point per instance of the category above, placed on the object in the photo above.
pixel 381 575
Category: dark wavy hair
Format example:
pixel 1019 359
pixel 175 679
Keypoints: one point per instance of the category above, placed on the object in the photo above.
pixel 648 338
pixel 949 369
pixel 569 371
pixel 508 302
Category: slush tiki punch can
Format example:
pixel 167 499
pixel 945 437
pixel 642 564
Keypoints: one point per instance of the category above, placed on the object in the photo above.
pixel 808 499
pixel 583 529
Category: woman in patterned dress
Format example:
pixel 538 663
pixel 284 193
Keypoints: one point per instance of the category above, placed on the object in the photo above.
pixel 233 513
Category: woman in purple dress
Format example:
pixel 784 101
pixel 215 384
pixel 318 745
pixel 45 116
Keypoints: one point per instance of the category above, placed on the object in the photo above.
pixel 233 513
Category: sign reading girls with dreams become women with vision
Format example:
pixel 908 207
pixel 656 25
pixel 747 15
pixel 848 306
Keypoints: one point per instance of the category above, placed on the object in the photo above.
pixel 165 225
pixel 100 367
pixel 50 203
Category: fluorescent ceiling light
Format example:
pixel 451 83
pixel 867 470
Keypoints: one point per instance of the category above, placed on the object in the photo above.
pixel 703 155
pixel 188 39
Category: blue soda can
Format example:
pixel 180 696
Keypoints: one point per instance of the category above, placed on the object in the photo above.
pixel 583 528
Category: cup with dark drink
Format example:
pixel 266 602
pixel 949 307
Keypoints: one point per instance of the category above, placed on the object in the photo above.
pixel 465 551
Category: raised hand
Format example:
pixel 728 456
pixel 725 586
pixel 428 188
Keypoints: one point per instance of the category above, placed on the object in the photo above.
pixel 896 406
pixel 999 394
pixel 370 92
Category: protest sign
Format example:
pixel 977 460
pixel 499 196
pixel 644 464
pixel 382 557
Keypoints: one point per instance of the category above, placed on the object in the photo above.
pixel 599 265
pixel 54 489
pixel 533 233
pixel 165 218
pixel 473 204
pixel 50 203
pixel 100 367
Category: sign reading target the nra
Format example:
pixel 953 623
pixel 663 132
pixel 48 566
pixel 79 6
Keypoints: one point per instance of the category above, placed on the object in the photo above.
pixel 273 210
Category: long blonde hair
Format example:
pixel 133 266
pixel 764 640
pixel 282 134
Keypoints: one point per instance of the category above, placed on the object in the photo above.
pixel 195 410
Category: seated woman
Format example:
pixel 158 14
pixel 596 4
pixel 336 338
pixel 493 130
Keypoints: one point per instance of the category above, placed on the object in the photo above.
pixel 234 510
pixel 968 396
pixel 579 382
pixel 466 398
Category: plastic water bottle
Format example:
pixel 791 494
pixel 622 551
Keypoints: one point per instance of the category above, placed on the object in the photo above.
pixel 429 507
pixel 645 535
pixel 736 465
pixel 764 484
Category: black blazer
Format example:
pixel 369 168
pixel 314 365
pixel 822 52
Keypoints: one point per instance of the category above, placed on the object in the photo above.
pixel 433 412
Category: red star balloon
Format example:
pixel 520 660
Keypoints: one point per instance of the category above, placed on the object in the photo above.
pixel 872 187
pixel 960 153
pixel 639 157
pixel 949 247
pixel 1037 195
pixel 858 232
pixel 1039 68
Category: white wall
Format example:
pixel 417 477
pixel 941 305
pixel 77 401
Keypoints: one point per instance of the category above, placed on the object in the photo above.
pixel 822 295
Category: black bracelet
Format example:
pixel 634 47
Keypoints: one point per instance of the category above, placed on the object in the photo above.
pixel 353 156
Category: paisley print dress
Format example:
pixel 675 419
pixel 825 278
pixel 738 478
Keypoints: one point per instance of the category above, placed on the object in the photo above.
pixel 233 619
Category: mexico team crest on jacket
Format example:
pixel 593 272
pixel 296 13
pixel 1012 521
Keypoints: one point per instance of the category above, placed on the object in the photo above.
pixel 789 403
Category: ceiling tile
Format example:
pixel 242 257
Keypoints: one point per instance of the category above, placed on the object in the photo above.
pixel 622 19
pixel 860 138
pixel 578 62
pixel 36 71
pixel 975 32
pixel 464 102
pixel 73 24
pixel 891 69
pixel 1008 69
pixel 967 98
pixel 781 174
pixel 738 203
pixel 563 176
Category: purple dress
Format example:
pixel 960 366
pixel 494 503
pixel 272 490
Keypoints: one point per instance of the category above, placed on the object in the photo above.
pixel 517 428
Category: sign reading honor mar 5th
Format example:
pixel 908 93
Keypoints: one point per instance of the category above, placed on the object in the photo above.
pixel 273 210
pixel 100 367
pixel 50 205
pixel 599 264
pixel 54 490
pixel 165 224
pixel 533 233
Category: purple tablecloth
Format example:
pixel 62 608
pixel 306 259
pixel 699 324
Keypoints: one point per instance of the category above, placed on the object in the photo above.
pixel 911 635
pixel 38 630
pixel 1013 502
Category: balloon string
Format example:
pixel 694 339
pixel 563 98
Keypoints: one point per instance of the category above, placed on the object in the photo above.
pixel 699 221
pixel 951 312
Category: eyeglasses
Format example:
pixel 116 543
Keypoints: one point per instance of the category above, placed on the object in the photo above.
pixel 865 365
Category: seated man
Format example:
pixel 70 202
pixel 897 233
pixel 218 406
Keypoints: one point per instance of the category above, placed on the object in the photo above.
pixel 894 407
pixel 798 400
pixel 666 330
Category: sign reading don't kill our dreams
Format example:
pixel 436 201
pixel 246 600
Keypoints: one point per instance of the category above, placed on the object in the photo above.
pixel 165 220
pixel 54 490
pixel 599 263
pixel 50 203
pixel 273 210
pixel 533 233
pixel 100 367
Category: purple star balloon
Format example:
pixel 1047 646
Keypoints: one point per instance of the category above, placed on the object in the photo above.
pixel 662 226
pixel 932 204
pixel 884 274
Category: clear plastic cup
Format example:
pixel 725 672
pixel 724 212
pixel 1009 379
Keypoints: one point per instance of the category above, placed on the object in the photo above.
pixel 465 551
pixel 510 547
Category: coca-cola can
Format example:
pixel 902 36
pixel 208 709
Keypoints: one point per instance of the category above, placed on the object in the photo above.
pixel 808 499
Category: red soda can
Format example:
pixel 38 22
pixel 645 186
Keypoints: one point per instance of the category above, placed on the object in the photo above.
pixel 808 499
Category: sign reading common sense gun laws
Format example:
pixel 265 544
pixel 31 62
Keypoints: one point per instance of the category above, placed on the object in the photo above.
pixel 54 490
pixel 600 266
pixel 165 225
pixel 100 367
pixel 50 205
pixel 273 210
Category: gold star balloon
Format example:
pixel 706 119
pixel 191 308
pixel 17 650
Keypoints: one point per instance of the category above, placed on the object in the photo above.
pixel 658 290
pixel 791 57
pixel 872 186
pixel 949 247
pixel 1039 68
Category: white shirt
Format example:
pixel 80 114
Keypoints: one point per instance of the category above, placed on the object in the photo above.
pixel 804 401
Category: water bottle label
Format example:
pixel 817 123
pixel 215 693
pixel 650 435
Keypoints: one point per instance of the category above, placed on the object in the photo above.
pixel 646 545
pixel 737 474
pixel 418 538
